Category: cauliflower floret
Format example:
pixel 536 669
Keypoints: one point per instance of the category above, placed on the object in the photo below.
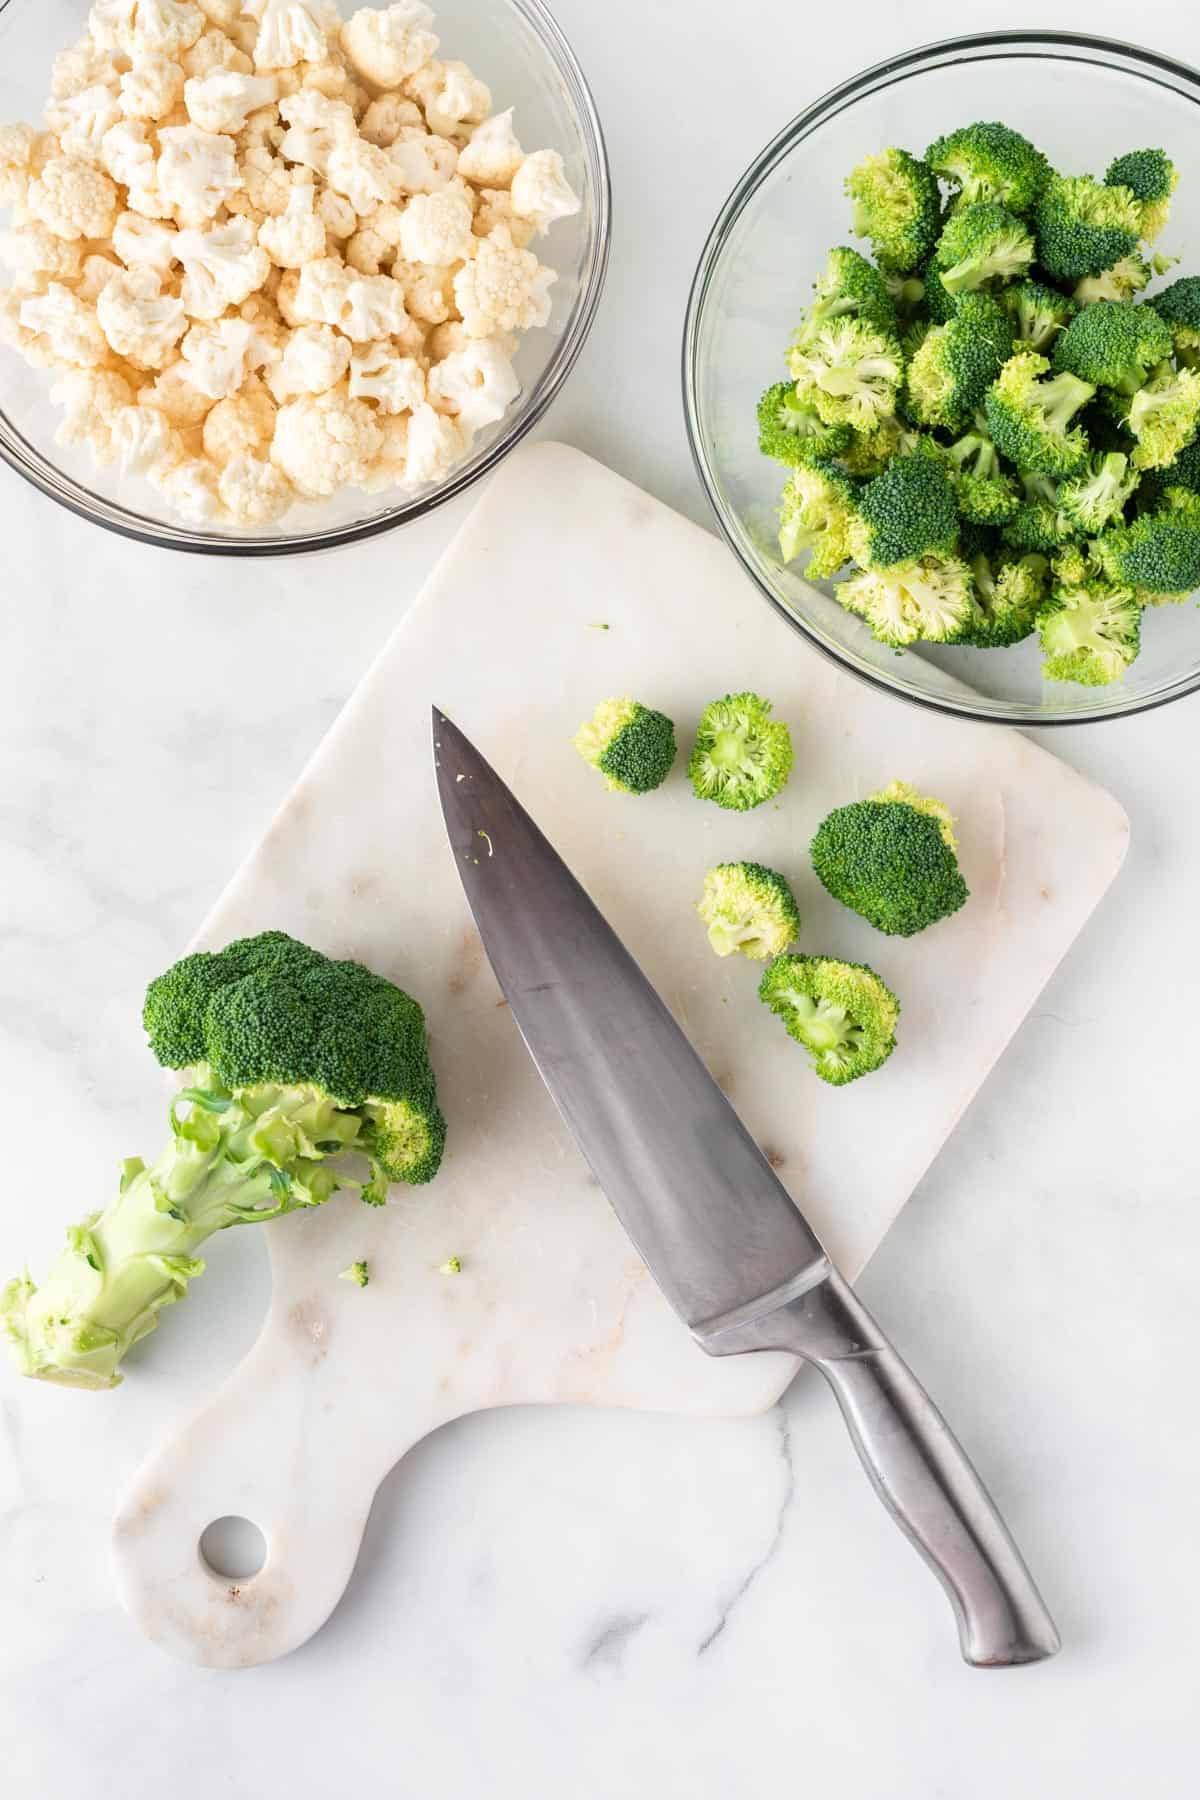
pixel 93 400
pixel 136 26
pixel 197 172
pixel 428 291
pixel 268 183
pixel 447 340
pixel 68 328
pixel 320 295
pixel 144 439
pixel 223 266
pixel 145 241
pixel 224 100
pixel 287 293
pixel 386 117
pixel 396 382
pixel 541 192
pixel 374 308
pixel 243 425
pixel 16 163
pixel 139 320
pixel 363 173
pixel 389 469
pixel 388 44
pixel 376 241
pixel 35 350
pixel 81 66
pixel 34 251
pixel 436 228
pixel 81 121
pixel 502 288
pixel 143 196
pixel 127 155
pixel 315 359
pixel 173 394
pixel 423 164
pixel 493 156
pixel 254 492
pixel 435 444
pixel 189 489
pixel 337 215
pixel 224 14
pixel 270 335
pixel 496 208
pixel 298 236
pixel 151 89
pixel 94 276
pixel 325 441
pixel 478 384
pixel 292 31
pixel 451 97
pixel 211 52
pixel 74 199
pixel 215 355
pixel 316 125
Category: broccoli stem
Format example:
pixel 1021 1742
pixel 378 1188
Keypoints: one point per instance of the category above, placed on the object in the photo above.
pixel 1061 398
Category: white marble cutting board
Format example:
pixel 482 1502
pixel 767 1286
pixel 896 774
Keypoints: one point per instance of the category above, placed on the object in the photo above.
pixel 552 1304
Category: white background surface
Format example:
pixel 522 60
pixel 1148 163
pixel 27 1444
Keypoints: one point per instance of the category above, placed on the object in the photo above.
pixel 575 1604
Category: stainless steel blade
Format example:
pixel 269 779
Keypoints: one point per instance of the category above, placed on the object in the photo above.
pixel 719 1233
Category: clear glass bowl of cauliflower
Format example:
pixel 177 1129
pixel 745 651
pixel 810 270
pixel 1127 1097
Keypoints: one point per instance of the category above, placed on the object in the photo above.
pixel 278 274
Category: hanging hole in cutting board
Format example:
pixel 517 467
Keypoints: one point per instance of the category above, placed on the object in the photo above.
pixel 233 1549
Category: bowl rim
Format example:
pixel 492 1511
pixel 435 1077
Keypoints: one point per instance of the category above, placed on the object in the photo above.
pixel 894 68
pixel 41 472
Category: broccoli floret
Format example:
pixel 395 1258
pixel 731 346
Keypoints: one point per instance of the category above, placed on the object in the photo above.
pixel 1007 593
pixel 1084 227
pixel 897 206
pixel 1096 497
pixel 632 745
pixel 292 1060
pixel 849 373
pixel 841 1012
pixel 1090 629
pixel 1159 554
pixel 1163 416
pixel 955 365
pixel 787 430
pixel 982 246
pixel 1127 277
pixel 849 287
pixel 1030 417
pixel 869 452
pixel 1151 177
pixel 990 161
pixel 929 599
pixel 1182 472
pixel 984 493
pixel 742 756
pixel 906 512
pixel 1113 345
pixel 816 514
pixel 1179 306
pixel 1036 313
pixel 358 1273
pixel 1039 522
pixel 748 910
pixel 892 860
pixel 940 303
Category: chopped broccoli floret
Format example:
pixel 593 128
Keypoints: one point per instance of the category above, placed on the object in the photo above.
pixel 1179 306
pixel 1113 345
pixel 1096 497
pixel 1037 313
pixel 842 1013
pixel 983 491
pixel 1182 472
pixel 848 373
pixel 748 910
pixel 1039 522
pixel 906 512
pixel 1090 630
pixel 849 287
pixel 358 1273
pixel 990 161
pixel 891 859
pixel 1007 593
pixel 929 599
pixel 869 452
pixel 1159 554
pixel 291 1060
pixel 1127 277
pixel 632 745
pixel 1163 416
pixel 1151 177
pixel 1030 417
pixel 742 756
pixel 787 431
pixel 1084 227
pixel 955 365
pixel 940 303
pixel 897 206
pixel 816 514
pixel 982 246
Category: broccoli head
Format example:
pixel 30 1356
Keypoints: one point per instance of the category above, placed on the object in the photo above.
pixel 849 287
pixel 1036 313
pixel 983 491
pixel 787 430
pixel 906 512
pixel 1007 593
pixel 1084 227
pixel 1182 472
pixel 842 1013
pixel 848 373
pixel 1030 417
pixel 897 206
pixel 742 756
pixel 1151 177
pixel 892 860
pixel 293 1061
pixel 1096 497
pixel 749 910
pixel 1113 345
pixel 1039 522
pixel 1127 277
pixel 982 246
pixel 940 303
pixel 1179 306
pixel 632 745
pixel 1090 628
pixel 1159 554
pixel 929 599
pixel 952 370
pixel 1163 416
pixel 990 161
pixel 816 515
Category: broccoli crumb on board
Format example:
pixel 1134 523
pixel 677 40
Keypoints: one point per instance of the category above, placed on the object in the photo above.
pixel 358 1273
pixel 632 745
pixel 451 1266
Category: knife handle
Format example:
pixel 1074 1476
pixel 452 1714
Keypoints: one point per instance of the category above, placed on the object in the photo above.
pixel 919 1470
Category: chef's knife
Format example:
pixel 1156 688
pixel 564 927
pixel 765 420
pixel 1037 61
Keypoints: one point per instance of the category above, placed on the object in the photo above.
pixel 720 1234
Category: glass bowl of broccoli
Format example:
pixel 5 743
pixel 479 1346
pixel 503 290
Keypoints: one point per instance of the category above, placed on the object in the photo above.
pixel 942 377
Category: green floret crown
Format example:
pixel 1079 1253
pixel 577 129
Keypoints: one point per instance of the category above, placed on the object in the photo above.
pixel 787 431
pixel 984 492
pixel 982 246
pixel 1029 416
pixel 749 910
pixel 1160 552
pixel 1084 227
pixel 950 372
pixel 897 206
pixel 1096 497
pixel 1037 313
pixel 990 161
pixel 816 514
pixel 890 862
pixel 929 599
pixel 742 756
pixel 848 287
pixel 1179 306
pixel 842 1013
pixel 1007 595
pixel 1151 177
pixel 1113 345
pixel 1163 416
pixel 848 373
pixel 632 745
pixel 1090 632
pixel 905 513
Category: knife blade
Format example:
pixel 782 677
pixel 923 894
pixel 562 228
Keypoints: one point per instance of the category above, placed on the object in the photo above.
pixel 720 1234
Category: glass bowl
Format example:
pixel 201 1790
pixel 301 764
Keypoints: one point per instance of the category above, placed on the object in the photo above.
pixel 1082 100
pixel 518 49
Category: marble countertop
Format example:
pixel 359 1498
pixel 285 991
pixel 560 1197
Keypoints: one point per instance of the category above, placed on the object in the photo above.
pixel 571 1603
